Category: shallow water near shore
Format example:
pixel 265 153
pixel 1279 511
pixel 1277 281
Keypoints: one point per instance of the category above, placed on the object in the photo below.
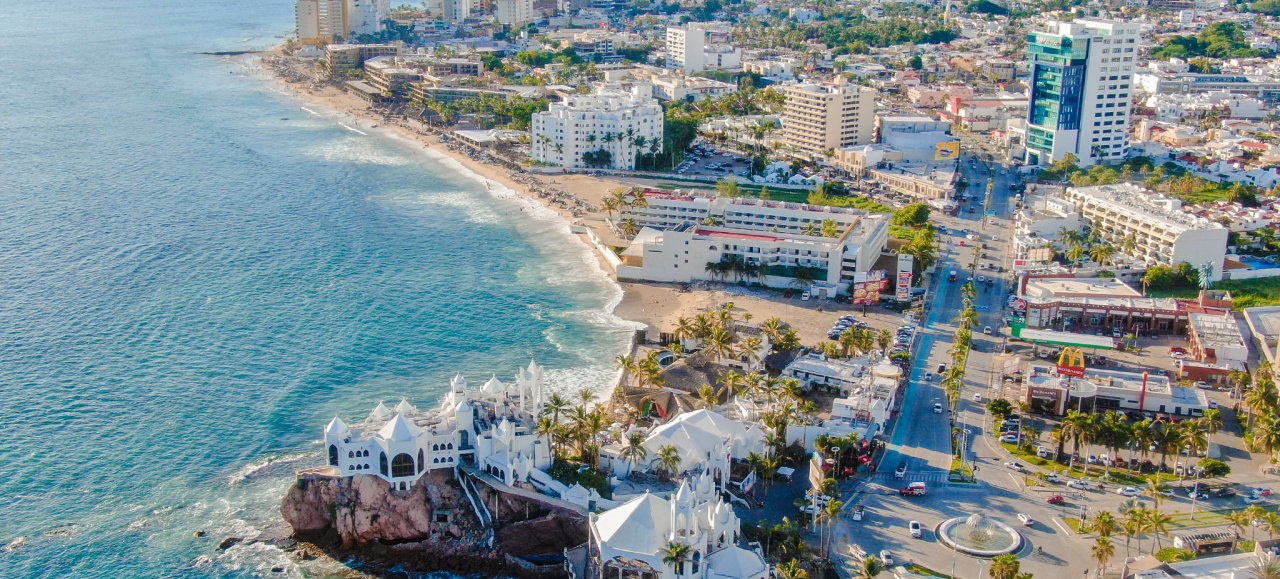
pixel 196 274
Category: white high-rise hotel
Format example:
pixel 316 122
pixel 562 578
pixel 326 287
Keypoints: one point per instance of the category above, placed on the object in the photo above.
pixel 1081 89
pixel 574 132
pixel 320 21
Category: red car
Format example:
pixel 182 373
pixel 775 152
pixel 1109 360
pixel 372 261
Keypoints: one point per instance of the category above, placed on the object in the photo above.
pixel 1057 500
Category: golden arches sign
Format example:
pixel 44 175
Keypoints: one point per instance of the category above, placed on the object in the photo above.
pixel 1071 362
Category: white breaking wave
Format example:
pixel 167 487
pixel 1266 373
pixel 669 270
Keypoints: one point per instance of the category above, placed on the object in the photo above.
pixel 357 151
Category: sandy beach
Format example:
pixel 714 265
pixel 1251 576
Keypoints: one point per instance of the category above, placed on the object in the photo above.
pixel 655 305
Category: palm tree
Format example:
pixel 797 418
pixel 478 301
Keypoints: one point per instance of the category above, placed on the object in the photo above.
pixel 1255 513
pixel 683 330
pixel 792 570
pixel 707 395
pixel 1266 567
pixel 1104 524
pixel 1158 524
pixel 555 405
pixel 871 567
pixel 675 554
pixel 1102 253
pixel 634 451
pixel 1075 253
pixel 668 461
pixel 827 518
pixel 1240 520
pixel 1271 523
pixel 1103 551
pixel 1005 566
pixel 883 340
pixel 733 383
pixel 610 205
pixel 629 228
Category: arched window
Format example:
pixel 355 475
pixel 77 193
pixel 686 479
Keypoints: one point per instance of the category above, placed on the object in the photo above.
pixel 382 463
pixel 333 455
pixel 349 467
pixel 421 463
pixel 435 447
pixel 402 465
pixel 450 446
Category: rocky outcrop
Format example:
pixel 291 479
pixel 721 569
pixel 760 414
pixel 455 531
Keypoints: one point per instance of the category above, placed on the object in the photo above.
pixel 364 509
pixel 550 534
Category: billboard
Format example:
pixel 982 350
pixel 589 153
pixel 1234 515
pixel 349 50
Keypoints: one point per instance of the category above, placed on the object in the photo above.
pixel 868 286
pixel 947 151
pixel 904 286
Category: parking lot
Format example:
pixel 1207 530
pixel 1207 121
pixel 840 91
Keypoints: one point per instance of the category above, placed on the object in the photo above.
pixel 708 161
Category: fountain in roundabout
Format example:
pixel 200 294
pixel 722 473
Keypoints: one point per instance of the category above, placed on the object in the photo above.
pixel 979 536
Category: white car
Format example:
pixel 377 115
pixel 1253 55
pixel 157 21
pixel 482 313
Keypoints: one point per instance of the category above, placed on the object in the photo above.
pixel 1013 466
pixel 1010 438
pixel 937 408
pixel 977 397
pixel 805 296
pixel 886 558
pixel 1128 491
pixel 1083 485
pixel 1026 520
pixel 916 530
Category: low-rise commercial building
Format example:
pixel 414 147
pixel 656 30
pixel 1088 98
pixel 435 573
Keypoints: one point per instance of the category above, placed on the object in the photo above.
pixel 340 58
pixel 1103 390
pixel 1215 338
pixel 1264 326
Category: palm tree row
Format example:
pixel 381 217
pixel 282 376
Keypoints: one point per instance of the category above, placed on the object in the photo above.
pixel 1115 432
pixel 1262 402
pixel 645 372
pixel 855 341
pixel 953 378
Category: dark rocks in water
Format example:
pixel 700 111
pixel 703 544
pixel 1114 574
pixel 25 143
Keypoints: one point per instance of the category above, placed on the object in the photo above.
pixel 228 543
pixel 198 534
pixel 277 569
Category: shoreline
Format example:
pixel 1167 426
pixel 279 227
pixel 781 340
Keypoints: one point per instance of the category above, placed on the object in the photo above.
pixel 654 306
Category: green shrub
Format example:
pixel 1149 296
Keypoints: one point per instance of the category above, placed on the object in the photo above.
pixel 1174 554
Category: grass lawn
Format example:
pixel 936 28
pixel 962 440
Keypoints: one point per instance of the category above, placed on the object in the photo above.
pixel 960 469
pixel 918 570
pixel 1246 293
pixel 1118 476
pixel 1072 523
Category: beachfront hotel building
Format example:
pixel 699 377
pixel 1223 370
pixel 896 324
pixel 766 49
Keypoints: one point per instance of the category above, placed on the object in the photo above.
pixel 682 235
pixel 571 132
pixel 323 21
pixel 822 117
pixel 340 58
pixel 320 21
pixel 1081 89
pixel 1163 233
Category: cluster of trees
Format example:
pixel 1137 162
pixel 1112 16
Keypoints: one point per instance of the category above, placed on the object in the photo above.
pixel 1262 400
pixel 511 112
pixel 856 341
pixel 1268 7
pixel 853 32
pixel 1217 40
pixel 1081 244
pixel 921 244
pixel 985 7
pixel 1164 277
pixel 623 198
pixel 575 429
pixel 681 119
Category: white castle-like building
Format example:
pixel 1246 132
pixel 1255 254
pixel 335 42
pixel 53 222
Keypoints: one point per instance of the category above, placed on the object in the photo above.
pixel 633 539
pixel 491 428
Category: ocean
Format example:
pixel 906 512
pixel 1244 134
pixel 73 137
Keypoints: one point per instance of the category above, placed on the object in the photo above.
pixel 196 274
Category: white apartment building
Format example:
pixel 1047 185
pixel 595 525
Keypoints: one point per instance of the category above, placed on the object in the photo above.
pixel 513 12
pixel 455 11
pixel 367 16
pixel 573 132
pixel 821 117
pixel 1081 91
pixel 1163 232
pixel 320 21
pixel 694 47
pixel 668 210
pixel 782 243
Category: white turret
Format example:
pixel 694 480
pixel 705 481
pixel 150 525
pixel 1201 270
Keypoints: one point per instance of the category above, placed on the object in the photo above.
pixel 493 387
pixel 336 428
pixel 458 385
pixel 399 429
pixel 405 408
pixel 380 413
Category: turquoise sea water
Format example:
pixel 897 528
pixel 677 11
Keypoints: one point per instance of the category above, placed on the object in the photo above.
pixel 195 274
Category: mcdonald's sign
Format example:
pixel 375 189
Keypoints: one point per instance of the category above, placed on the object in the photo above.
pixel 1071 362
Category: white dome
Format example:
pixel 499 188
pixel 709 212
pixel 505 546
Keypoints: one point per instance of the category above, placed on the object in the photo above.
pixel 399 430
